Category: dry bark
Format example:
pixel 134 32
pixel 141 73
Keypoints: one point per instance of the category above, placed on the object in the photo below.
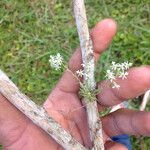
pixel 86 45
pixel 145 100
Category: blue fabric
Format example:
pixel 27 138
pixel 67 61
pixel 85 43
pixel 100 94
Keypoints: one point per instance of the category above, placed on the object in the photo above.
pixel 123 139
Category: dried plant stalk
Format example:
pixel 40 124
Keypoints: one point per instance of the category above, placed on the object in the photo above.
pixel 145 100
pixel 86 45
pixel 37 114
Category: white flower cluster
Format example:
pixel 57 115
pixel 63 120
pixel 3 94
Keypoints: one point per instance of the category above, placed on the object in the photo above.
pixel 117 70
pixel 56 61
pixel 80 72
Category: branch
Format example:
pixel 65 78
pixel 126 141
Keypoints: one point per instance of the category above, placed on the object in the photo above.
pixel 86 45
pixel 145 100
pixel 37 114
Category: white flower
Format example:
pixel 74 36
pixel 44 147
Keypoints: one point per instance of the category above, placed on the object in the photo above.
pixel 123 75
pixel 115 85
pixel 88 68
pixel 114 66
pixel 80 73
pixel 121 67
pixel 127 65
pixel 56 61
pixel 110 75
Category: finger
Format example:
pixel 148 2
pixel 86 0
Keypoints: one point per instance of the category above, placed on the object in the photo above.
pixel 125 121
pixel 137 83
pixel 101 35
pixel 110 145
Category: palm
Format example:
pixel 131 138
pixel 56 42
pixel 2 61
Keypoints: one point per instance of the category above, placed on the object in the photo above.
pixel 67 109
pixel 64 105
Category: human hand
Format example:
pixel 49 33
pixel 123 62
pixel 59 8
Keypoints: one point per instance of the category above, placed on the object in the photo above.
pixel 63 104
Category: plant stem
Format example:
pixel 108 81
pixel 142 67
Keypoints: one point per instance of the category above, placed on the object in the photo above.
pixel 86 45
pixel 37 114
pixel 145 100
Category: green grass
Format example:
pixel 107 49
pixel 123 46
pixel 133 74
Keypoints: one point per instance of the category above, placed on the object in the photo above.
pixel 31 30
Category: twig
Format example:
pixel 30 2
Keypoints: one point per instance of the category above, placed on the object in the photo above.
pixel 146 98
pixel 86 44
pixel 37 114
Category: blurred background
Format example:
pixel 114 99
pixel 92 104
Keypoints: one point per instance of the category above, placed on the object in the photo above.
pixel 31 30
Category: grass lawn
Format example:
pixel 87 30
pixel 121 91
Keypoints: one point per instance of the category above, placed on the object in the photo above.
pixel 31 30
